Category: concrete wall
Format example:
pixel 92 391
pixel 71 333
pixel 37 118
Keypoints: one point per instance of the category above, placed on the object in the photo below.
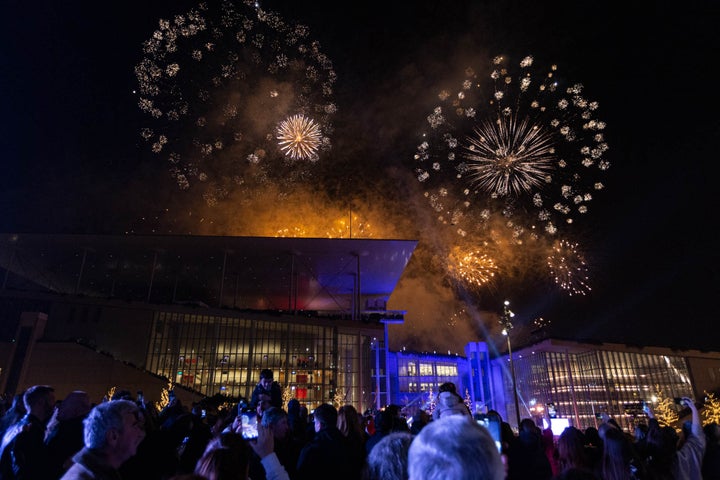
pixel 69 366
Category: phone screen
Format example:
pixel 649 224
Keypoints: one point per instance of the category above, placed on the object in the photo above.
pixel 249 426
pixel 492 424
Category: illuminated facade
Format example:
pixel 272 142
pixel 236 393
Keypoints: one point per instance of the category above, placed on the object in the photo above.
pixel 215 354
pixel 581 380
pixel 207 313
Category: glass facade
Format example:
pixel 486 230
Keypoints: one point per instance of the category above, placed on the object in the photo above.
pixel 582 384
pixel 419 374
pixel 215 354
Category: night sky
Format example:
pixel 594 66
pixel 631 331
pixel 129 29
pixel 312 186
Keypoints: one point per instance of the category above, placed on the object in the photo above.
pixel 73 160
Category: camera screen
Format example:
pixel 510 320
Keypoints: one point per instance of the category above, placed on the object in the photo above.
pixel 492 424
pixel 249 426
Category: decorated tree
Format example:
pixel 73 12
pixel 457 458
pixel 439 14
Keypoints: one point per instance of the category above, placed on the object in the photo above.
pixel 286 396
pixel 110 393
pixel 431 402
pixel 711 410
pixel 665 412
pixel 164 397
pixel 339 398
pixel 468 400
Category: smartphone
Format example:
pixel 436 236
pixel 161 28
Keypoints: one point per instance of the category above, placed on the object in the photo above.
pixel 599 416
pixel 249 426
pixel 679 401
pixel 492 424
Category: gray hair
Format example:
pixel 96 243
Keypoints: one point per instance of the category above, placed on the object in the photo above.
pixel 388 459
pixel 105 417
pixel 272 415
pixel 454 448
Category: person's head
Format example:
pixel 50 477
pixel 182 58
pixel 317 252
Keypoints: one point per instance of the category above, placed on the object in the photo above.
pixel 39 400
pixel 224 463
pixel 388 459
pixel 419 420
pixel 348 421
pixel 571 449
pixel 266 378
pixel 383 422
pixel 640 432
pixel 122 395
pixel 277 421
pixel 661 444
pixel 454 448
pixel 325 416
pixel 76 405
pixel 617 455
pixel 447 387
pixel 263 403
pixel 712 432
pixel 293 407
pixel 448 404
pixel 114 429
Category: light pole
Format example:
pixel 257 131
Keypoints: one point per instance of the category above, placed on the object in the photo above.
pixel 506 323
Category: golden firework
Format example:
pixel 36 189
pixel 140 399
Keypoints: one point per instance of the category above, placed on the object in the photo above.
pixel 474 268
pixel 299 137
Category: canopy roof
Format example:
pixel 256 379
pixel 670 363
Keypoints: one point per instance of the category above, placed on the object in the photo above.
pixel 259 273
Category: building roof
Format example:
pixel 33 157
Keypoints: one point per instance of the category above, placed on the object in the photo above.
pixel 258 273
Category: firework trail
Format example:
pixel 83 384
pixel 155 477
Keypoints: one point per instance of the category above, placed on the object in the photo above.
pixel 216 85
pixel 520 145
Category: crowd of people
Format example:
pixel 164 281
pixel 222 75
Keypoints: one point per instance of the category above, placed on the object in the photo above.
pixel 124 438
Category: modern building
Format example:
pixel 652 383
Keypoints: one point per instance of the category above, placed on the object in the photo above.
pixel 205 313
pixel 569 380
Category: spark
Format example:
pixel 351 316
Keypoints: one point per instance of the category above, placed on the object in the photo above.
pixel 299 137
pixel 474 268
pixel 508 157
pixel 568 269
pixel 517 142
pixel 213 84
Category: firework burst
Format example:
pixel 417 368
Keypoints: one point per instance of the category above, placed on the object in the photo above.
pixel 473 268
pixel 214 84
pixel 507 157
pixel 517 143
pixel 568 269
pixel 299 138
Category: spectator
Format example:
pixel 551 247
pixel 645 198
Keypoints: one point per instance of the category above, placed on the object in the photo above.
pixel 275 420
pixel 419 420
pixel 198 436
pixel 298 423
pixel 572 450
pixel 326 455
pixel 449 402
pixel 383 424
pixel 619 460
pixel 454 448
pixel 24 453
pixel 348 423
pixel 389 459
pixel 13 414
pixel 112 432
pixel 665 460
pixel 64 436
pixel 526 455
pixel 711 460
pixel 268 386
